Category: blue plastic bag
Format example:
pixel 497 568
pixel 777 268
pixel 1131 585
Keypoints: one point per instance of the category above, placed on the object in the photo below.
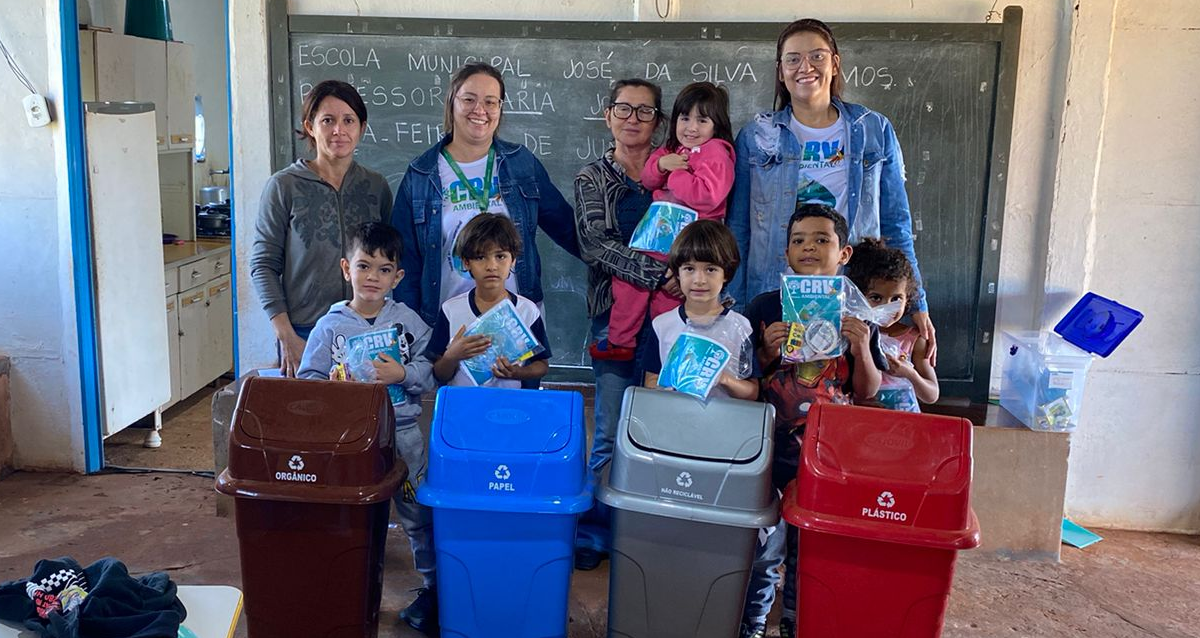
pixel 660 226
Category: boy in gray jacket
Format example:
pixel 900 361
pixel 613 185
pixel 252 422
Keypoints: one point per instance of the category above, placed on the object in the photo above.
pixel 371 267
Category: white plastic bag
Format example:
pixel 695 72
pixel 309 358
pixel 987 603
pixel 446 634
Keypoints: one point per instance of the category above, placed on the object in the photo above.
pixel 815 306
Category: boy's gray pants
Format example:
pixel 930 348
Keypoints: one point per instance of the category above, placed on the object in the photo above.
pixel 416 519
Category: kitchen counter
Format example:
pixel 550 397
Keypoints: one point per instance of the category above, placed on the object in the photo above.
pixel 174 254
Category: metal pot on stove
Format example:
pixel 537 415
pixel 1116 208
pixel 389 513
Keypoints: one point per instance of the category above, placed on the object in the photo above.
pixel 213 218
pixel 212 195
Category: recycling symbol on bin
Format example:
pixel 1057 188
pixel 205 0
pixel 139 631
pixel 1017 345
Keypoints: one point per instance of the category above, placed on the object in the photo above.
pixel 684 480
pixel 296 463
pixel 502 472
pixel 886 499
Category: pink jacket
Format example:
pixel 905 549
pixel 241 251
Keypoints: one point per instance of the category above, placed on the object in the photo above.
pixel 704 186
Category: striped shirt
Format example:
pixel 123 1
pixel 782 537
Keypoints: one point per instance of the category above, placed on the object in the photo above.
pixel 600 188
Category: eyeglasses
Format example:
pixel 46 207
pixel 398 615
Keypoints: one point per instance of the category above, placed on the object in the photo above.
pixel 469 102
pixel 622 111
pixel 816 57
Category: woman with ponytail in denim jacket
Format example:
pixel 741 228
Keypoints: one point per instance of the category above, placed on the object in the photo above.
pixel 814 147
pixel 769 158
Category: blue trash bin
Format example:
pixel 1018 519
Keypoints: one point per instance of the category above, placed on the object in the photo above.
pixel 506 480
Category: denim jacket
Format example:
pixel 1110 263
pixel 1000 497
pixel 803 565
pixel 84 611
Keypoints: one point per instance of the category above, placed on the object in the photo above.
pixel 766 181
pixel 532 202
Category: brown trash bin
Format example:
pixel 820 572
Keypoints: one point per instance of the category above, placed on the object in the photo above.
pixel 313 467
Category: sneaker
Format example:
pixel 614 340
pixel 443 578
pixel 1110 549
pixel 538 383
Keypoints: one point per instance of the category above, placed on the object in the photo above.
pixel 587 559
pixel 754 632
pixel 422 613
pixel 605 351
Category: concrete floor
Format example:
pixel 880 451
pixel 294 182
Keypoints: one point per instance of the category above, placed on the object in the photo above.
pixel 1131 584
pixel 187 438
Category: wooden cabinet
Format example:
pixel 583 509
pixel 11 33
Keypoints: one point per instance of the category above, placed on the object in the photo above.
pixel 173 346
pixel 180 96
pixel 199 316
pixel 123 68
pixel 217 358
pixel 193 328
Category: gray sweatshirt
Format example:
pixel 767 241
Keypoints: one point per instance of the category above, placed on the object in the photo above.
pixel 327 347
pixel 300 236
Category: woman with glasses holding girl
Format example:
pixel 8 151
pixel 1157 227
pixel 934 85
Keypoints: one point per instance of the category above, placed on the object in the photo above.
pixel 609 202
pixel 471 171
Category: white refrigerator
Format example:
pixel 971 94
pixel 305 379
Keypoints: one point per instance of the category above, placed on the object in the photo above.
pixel 129 284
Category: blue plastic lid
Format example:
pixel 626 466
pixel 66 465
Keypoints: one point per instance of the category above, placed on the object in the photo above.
pixel 1098 325
pixel 505 420
pixel 502 450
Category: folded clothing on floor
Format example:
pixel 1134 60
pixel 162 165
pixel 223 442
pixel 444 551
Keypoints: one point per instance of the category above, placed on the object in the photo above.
pixel 63 599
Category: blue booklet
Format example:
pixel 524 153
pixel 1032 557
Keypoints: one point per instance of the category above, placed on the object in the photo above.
pixel 660 226
pixel 362 349
pixel 511 339
pixel 813 306
pixel 694 365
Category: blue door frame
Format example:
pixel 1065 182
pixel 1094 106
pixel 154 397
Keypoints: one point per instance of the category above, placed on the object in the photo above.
pixel 81 231
pixel 81 238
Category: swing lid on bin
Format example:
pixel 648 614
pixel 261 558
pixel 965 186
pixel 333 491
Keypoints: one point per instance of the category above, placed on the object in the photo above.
pixel 705 462
pixel 1098 324
pixel 884 475
pixel 307 441
pixel 306 412
pixel 505 420
pixel 723 430
pixel 507 450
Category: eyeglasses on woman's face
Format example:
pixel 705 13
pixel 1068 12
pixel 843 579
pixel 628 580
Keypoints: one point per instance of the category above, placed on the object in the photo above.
pixel 816 57
pixel 470 101
pixel 622 111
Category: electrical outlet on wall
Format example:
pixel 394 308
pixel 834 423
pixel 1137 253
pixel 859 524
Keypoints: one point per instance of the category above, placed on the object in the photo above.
pixel 37 113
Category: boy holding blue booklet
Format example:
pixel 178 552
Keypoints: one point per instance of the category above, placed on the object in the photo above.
pixel 375 339
pixel 705 257
pixel 488 315
pixel 817 236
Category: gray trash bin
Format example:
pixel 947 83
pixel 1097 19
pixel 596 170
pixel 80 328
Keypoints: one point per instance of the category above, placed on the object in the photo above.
pixel 689 487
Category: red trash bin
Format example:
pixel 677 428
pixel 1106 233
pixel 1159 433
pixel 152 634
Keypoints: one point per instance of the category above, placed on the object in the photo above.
pixel 313 468
pixel 882 503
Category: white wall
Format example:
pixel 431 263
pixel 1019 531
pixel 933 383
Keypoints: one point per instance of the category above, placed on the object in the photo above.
pixel 37 309
pixel 1135 461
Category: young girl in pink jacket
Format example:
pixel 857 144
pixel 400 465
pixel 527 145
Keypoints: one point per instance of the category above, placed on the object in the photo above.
pixel 694 168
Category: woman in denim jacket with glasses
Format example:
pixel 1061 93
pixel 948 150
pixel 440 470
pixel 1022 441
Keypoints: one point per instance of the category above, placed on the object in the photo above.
pixel 850 159
pixel 814 147
pixel 471 171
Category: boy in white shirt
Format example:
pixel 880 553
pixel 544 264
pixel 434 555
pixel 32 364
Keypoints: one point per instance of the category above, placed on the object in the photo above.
pixel 487 246
pixel 705 257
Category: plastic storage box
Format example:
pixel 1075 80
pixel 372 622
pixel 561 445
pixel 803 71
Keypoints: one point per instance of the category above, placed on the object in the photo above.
pixel 506 481
pixel 882 503
pixel 312 467
pixel 1044 373
pixel 689 487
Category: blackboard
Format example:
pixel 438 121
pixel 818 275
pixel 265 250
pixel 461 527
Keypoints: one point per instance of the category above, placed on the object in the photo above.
pixel 948 89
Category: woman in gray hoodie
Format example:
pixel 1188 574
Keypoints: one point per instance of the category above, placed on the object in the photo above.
pixel 307 213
